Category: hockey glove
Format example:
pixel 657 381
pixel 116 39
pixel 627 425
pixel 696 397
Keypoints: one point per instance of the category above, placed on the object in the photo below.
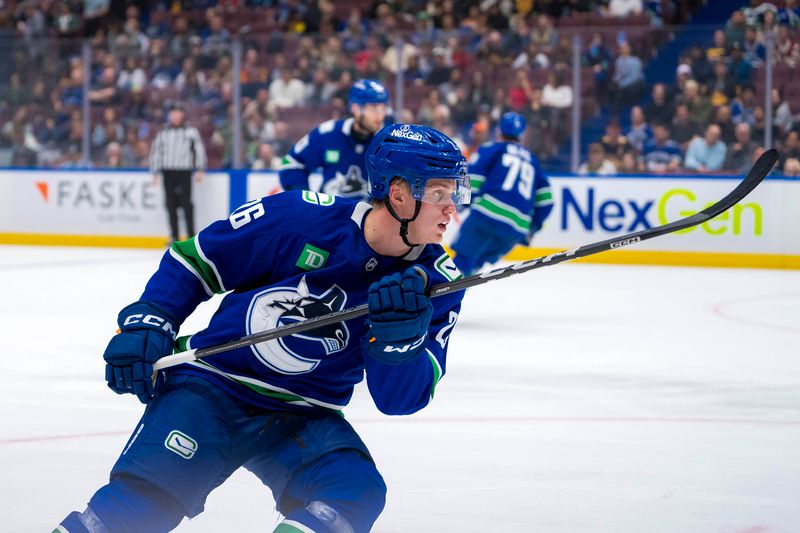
pixel 399 315
pixel 146 333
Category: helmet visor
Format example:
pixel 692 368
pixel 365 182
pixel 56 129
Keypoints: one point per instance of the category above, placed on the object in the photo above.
pixel 448 191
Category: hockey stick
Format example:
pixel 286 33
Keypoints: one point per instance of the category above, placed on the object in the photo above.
pixel 760 169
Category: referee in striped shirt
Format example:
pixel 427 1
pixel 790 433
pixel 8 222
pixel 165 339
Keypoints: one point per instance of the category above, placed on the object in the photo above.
pixel 177 152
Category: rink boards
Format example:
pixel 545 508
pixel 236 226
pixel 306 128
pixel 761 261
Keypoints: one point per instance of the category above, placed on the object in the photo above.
pixel 125 208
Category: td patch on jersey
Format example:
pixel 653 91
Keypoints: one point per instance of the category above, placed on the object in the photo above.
pixel 281 306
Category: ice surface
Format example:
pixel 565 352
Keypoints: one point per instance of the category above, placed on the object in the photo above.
pixel 577 398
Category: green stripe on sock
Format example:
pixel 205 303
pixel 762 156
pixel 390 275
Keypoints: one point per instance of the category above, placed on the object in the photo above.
pixel 286 528
pixel 188 251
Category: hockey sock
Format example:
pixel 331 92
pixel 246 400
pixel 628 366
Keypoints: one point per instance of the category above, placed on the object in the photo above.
pixel 132 504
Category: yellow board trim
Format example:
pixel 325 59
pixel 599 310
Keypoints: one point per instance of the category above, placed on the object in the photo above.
pixel 112 241
pixel 647 257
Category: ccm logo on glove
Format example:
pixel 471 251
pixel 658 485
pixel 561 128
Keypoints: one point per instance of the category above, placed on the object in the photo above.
pixel 151 320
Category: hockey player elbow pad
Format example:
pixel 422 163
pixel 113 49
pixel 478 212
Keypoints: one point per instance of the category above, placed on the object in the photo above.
pixel 146 333
pixel 399 316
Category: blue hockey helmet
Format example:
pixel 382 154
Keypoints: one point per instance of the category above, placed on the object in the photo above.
pixel 512 125
pixel 417 154
pixel 368 92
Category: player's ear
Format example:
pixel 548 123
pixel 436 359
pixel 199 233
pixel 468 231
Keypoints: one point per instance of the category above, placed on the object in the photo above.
pixel 398 192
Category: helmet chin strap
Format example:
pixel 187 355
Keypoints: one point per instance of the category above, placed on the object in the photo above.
pixel 404 221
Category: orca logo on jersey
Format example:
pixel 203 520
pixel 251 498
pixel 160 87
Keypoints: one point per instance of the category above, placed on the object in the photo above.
pixel 349 185
pixel 281 306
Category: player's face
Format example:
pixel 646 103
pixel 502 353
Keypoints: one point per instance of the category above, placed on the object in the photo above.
pixel 435 213
pixel 370 116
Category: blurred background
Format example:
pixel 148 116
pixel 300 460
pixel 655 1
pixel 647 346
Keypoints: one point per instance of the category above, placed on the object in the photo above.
pixel 603 83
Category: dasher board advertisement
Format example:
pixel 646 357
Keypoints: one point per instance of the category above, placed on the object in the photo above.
pixel 97 207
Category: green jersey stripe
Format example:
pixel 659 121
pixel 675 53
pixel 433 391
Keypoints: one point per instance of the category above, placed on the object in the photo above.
pixel 265 389
pixel 497 210
pixel 437 371
pixel 210 263
pixel 179 258
pixel 192 255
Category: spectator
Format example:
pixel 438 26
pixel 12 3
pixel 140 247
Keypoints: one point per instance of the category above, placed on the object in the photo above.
pixel 531 57
pixel 624 8
pixel 791 167
pixel 702 68
pixel 735 28
pixel 629 164
pixel 760 125
pixel 519 92
pixel 790 148
pixel 628 80
pixel 722 88
pixel 399 49
pixel 440 73
pixel 543 34
pixel 718 51
pixel 699 106
pixel 740 152
pixel 266 158
pixel 740 70
pixel 722 118
pixel 538 137
pixel 640 131
pixel 614 143
pixel 661 153
pixel 784 118
pixel 107 131
pixel 659 110
pixel 706 154
pixel 743 106
pixel 286 91
pixel 597 163
pixel 557 97
pixel 599 59
pixel 754 52
pixel 787 50
pixel 113 156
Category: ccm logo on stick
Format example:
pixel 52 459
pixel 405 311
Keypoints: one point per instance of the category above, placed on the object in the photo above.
pixel 626 242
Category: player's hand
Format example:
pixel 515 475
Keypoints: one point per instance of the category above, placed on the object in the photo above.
pixel 146 333
pixel 399 316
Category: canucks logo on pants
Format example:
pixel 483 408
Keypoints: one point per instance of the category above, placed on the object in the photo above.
pixel 280 306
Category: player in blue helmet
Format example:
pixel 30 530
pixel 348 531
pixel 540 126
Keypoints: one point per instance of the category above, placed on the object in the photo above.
pixel 275 408
pixel 336 147
pixel 512 198
pixel 418 155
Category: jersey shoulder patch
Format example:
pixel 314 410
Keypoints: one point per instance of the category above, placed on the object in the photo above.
pixel 318 198
pixel 445 266
pixel 326 127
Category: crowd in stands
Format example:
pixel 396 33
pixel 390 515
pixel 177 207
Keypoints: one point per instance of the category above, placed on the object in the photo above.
pixel 713 118
pixel 463 64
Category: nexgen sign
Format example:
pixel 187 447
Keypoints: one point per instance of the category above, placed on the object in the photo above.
pixel 587 210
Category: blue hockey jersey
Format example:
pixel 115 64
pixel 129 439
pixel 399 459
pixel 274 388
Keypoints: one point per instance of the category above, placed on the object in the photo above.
pixel 283 259
pixel 332 147
pixel 510 187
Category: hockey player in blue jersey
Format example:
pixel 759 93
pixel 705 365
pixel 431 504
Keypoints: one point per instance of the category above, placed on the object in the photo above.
pixel 511 198
pixel 336 147
pixel 275 407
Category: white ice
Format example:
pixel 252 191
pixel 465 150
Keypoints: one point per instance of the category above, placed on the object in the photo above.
pixel 578 398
